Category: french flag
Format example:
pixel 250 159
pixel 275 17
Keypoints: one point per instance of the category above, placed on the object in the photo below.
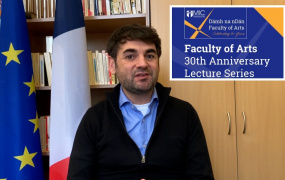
pixel 70 89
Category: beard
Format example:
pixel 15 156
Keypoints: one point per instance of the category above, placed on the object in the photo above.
pixel 139 87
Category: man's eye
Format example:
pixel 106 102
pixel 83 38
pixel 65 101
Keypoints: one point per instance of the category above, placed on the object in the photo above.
pixel 150 56
pixel 129 57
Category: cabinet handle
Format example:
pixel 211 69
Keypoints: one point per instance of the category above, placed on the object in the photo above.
pixel 229 117
pixel 244 123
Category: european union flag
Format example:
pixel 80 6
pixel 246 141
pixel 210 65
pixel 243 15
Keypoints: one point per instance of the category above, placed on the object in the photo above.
pixel 20 149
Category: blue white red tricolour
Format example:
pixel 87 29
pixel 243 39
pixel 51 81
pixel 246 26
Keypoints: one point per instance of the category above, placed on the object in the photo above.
pixel 70 90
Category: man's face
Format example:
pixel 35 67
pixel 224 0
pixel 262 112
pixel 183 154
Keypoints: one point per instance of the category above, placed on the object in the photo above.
pixel 136 67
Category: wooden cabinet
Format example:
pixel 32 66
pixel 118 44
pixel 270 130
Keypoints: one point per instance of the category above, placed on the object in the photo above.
pixel 254 149
pixel 260 119
pixel 257 154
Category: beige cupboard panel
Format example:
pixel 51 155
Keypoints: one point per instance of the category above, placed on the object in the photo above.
pixel 213 101
pixel 261 149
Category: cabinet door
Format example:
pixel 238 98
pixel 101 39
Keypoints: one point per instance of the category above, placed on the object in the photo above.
pixel 212 100
pixel 261 148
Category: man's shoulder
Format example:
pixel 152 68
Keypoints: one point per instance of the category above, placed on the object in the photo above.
pixel 99 106
pixel 180 104
pixel 178 101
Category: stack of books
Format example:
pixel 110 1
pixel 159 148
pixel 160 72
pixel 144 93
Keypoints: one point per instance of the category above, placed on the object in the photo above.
pixel 112 7
pixel 39 8
pixel 46 8
pixel 99 73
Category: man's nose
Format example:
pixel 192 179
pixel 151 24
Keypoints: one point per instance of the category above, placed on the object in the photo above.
pixel 141 62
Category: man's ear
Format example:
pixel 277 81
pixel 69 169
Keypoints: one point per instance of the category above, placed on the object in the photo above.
pixel 112 65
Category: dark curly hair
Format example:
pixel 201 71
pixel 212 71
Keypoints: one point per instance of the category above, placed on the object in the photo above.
pixel 133 32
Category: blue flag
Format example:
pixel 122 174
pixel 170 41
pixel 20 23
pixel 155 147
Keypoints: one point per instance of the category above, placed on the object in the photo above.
pixel 20 149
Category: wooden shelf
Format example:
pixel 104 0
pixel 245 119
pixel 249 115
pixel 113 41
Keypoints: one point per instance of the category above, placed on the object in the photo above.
pixel 42 26
pixel 107 86
pixel 108 24
pixel 43 87
pixel 45 153
pixel 93 24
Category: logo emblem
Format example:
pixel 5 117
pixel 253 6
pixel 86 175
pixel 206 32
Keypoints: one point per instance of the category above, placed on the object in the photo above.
pixel 200 14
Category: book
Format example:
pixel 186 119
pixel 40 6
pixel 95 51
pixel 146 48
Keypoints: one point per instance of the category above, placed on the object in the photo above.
pixel 111 6
pixel 49 42
pixel 52 8
pixel 105 68
pixel 138 6
pixel 121 6
pixel 143 6
pixel 37 8
pixel 115 7
pixel 95 68
pixel 92 11
pixel 100 7
pixel 127 7
pixel 48 8
pixel 108 7
pixel 91 68
pixel 48 64
pixel 97 72
pixel 85 7
pixel 28 6
pixel 96 10
pixel 100 68
pixel 109 72
pixel 104 10
pixel 44 9
pixel 44 127
pixel 36 68
pixel 39 12
pixel 42 70
pixel 133 5
pixel 89 7
pixel 47 132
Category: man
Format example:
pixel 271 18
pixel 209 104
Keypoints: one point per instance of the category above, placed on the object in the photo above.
pixel 139 131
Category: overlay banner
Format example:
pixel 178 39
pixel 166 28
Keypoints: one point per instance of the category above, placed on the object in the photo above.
pixel 227 43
